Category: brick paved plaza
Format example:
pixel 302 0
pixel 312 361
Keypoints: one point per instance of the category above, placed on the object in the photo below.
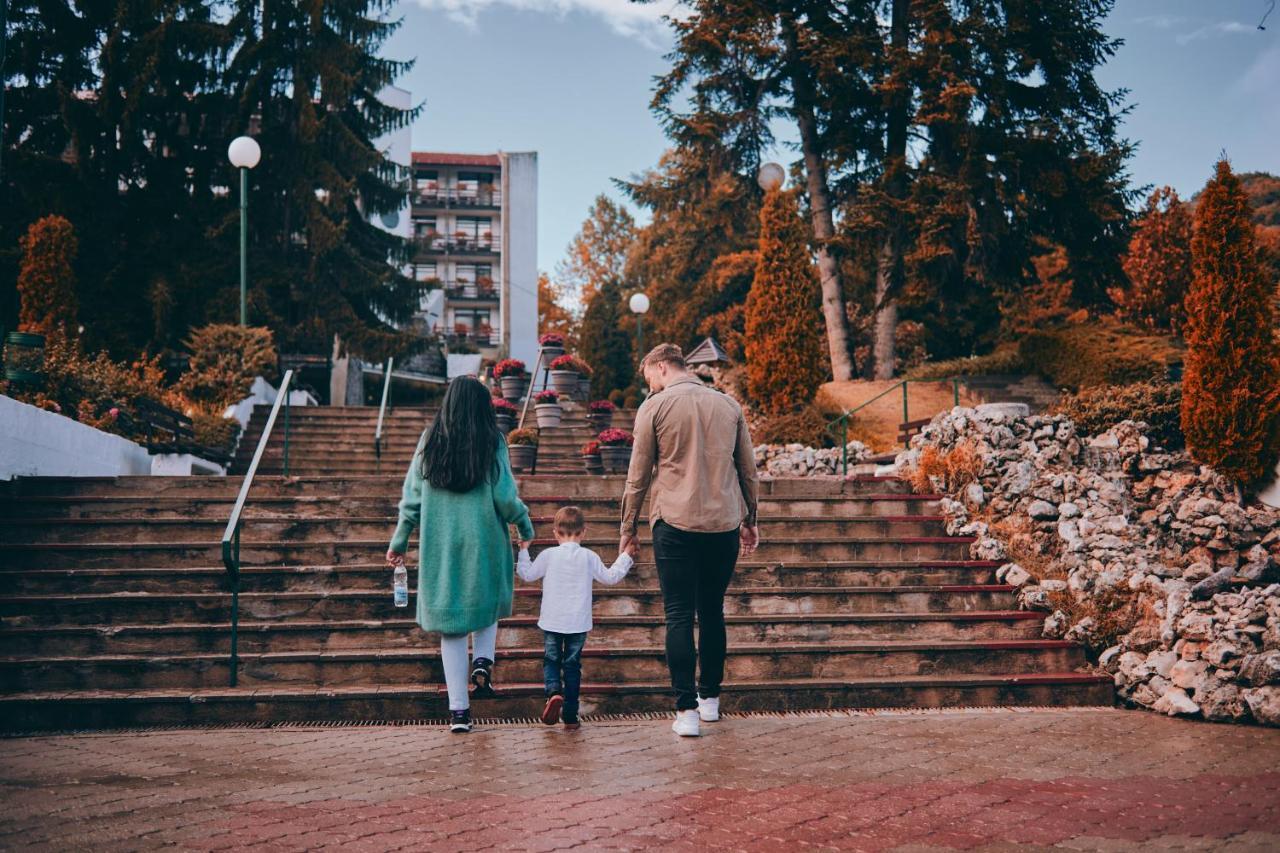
pixel 969 779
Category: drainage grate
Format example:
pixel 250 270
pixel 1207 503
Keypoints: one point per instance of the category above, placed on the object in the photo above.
pixel 534 722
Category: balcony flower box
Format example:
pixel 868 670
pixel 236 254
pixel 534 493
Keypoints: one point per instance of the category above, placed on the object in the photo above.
pixel 552 346
pixel 513 376
pixel 505 414
pixel 522 445
pixel 546 404
pixel 600 414
pixel 615 450
pixel 591 458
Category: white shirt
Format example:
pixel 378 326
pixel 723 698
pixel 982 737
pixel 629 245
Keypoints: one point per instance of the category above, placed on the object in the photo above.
pixel 567 571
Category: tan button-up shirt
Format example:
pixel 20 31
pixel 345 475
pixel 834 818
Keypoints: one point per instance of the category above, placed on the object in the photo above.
pixel 693 447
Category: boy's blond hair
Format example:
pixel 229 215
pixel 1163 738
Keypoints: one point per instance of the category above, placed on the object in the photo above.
pixel 569 521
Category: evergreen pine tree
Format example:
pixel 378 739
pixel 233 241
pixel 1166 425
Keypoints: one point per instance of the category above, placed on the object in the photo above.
pixel 46 281
pixel 785 363
pixel 307 78
pixel 605 344
pixel 1231 382
pixel 1158 263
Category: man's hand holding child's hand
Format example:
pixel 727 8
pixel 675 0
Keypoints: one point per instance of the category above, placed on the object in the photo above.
pixel 632 547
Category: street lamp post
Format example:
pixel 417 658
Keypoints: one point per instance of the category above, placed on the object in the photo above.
pixel 244 154
pixel 639 304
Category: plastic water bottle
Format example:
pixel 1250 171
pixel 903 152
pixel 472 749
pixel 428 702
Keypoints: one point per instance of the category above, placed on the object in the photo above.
pixel 400 585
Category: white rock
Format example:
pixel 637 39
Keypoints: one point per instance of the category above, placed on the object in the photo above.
pixel 1175 701
pixel 1015 575
pixel 1185 673
pixel 1264 704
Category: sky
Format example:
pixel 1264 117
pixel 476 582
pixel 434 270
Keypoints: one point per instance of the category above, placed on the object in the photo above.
pixel 572 80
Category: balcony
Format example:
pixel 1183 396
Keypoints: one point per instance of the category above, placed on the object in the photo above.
pixel 456 199
pixel 463 338
pixel 462 290
pixel 441 244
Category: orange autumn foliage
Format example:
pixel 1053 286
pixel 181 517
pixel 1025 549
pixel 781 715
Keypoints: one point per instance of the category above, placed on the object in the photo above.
pixel 1231 383
pixel 783 327
pixel 1158 264
pixel 46 281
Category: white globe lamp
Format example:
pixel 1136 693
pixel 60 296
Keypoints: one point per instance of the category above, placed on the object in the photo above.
pixel 243 152
pixel 639 303
pixel 771 177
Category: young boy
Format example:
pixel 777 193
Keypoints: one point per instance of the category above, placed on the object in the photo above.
pixel 565 619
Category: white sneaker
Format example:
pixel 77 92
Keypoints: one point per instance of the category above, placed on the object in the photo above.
pixel 686 724
pixel 709 709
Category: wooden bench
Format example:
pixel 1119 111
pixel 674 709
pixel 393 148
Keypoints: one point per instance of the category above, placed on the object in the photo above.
pixel 167 430
pixel 910 428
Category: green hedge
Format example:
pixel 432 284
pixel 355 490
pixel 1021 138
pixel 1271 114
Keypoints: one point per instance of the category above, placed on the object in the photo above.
pixel 1158 404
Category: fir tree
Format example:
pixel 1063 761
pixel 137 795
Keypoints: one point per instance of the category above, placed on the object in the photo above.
pixel 605 344
pixel 1158 263
pixel 1231 382
pixel 307 79
pixel 785 363
pixel 46 281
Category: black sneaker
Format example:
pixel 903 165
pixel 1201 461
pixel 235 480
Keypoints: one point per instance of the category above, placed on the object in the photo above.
pixel 482 679
pixel 571 723
pixel 460 721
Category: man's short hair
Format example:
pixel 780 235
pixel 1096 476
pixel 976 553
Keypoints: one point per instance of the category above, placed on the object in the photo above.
pixel 669 353
pixel 569 521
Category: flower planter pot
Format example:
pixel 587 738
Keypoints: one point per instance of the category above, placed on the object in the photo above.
pixel 550 353
pixel 584 388
pixel 600 421
pixel 523 457
pixel 617 459
pixel 549 415
pixel 506 421
pixel 565 382
pixel 24 358
pixel 513 387
pixel 591 461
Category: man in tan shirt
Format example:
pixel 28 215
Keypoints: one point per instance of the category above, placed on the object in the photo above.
pixel 693 449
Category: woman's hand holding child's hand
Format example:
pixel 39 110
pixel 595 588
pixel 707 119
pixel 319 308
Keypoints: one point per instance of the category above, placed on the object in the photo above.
pixel 394 559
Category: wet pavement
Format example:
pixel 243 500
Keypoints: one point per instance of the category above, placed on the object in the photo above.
pixel 1079 779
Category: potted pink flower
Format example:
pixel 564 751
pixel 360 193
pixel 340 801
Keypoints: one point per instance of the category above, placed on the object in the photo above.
pixel 615 450
pixel 513 376
pixel 552 344
pixel 600 414
pixel 591 458
pixel 505 413
pixel 546 404
pixel 522 446
pixel 564 375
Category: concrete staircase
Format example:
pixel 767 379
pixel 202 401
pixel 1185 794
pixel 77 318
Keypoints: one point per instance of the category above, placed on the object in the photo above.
pixel 114 606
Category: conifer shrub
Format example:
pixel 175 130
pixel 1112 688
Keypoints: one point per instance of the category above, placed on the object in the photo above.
pixel 1102 353
pixel 46 280
pixel 808 426
pixel 225 359
pixel 1231 383
pixel 1157 404
pixel 784 329
pixel 1157 264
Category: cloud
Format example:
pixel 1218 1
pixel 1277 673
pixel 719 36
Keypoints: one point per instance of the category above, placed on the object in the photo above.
pixel 1221 28
pixel 641 21
pixel 1161 22
pixel 1261 76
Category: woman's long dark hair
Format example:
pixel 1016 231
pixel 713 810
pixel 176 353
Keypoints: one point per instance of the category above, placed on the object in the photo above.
pixel 462 444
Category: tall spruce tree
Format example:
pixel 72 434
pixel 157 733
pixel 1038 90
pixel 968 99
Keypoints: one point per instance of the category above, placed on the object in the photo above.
pixel 307 78
pixel 785 363
pixel 604 343
pixel 1231 385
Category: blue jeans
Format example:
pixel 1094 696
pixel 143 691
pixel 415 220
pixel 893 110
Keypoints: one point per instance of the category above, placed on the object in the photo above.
pixel 562 667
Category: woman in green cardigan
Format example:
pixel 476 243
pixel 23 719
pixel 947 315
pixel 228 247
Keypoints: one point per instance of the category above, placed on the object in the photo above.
pixel 460 492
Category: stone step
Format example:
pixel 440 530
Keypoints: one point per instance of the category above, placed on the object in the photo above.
pixel 142 508
pixel 376 575
pixel 308 529
pixel 49 555
pixel 411 667
pixel 59 709
pixel 352 604
pixel 565 488
pixel 23 637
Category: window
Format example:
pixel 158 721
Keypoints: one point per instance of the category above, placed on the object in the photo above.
pixel 425 272
pixel 426 180
pixel 473 273
pixel 424 225
pixel 476 227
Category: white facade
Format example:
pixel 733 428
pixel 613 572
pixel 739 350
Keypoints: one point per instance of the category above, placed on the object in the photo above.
pixel 474 227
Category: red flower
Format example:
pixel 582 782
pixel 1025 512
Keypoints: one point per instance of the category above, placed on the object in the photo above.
pixel 602 406
pixel 591 448
pixel 564 362
pixel 509 367
pixel 552 339
pixel 501 405
pixel 616 438
pixel 547 396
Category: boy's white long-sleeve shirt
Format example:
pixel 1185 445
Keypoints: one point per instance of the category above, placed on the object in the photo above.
pixel 567 572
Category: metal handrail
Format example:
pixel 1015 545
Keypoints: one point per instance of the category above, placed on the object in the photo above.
pixel 231 538
pixel 382 411
pixel 844 419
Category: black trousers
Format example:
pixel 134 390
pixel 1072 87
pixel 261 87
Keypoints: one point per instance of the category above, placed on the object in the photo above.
pixel 694 570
